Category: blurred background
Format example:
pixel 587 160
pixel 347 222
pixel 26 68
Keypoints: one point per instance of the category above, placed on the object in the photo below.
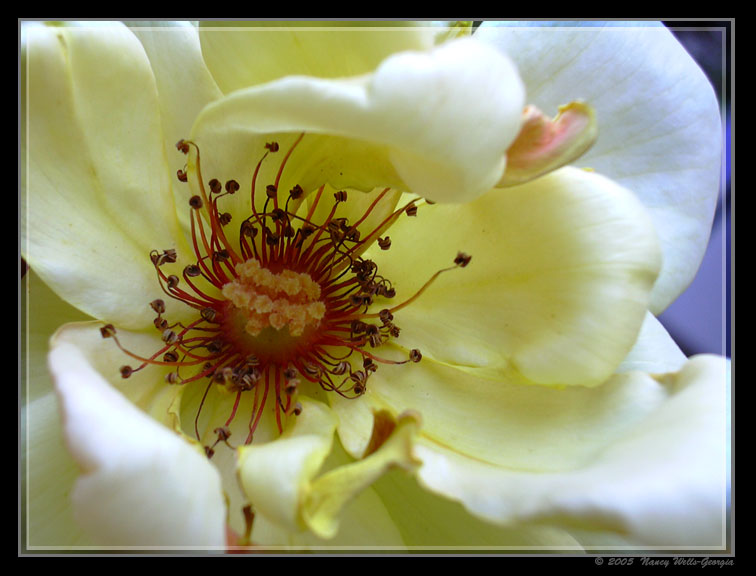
pixel 700 319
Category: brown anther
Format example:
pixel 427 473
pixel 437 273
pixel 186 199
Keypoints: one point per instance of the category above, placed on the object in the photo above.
pixel 375 340
pixel 215 186
pixel 307 230
pixel 371 330
pixel 192 270
pixel 290 373
pixel 172 281
pixel 107 331
pixel 296 192
pixel 214 346
pixel 223 433
pixel 158 305
pixel 126 371
pixel 340 196
pixel 360 299
pixel 232 186
pixel 208 314
pixel 369 365
pixel 353 235
pixel 224 218
pixel 384 243
pixel 248 381
pixel 462 259
pixel 248 229
pixel 271 191
pixel 415 355
pixel 385 315
pixel 169 336
pixel 291 386
pixel 170 356
pixel 297 409
pixel 313 370
pixel 181 175
pixel 272 238
pixel 218 377
pixel 358 326
pixel 160 323
pixel 277 215
pixel 220 255
pixel 394 331
pixel 182 146
pixel 288 231
pixel 209 452
pixel 388 293
pixel 272 146
pixel 340 368
pixel 195 202
pixel 171 377
pixel 411 210
pixel 167 256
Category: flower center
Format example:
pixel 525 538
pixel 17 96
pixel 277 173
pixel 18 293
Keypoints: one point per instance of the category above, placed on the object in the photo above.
pixel 293 300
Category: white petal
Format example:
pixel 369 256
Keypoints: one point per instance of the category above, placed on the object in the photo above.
pixel 654 351
pixel 659 123
pixel 142 485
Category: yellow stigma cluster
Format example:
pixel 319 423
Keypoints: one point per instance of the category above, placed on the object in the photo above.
pixel 290 299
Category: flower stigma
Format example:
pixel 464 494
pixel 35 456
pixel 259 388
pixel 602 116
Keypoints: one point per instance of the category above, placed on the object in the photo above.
pixel 294 300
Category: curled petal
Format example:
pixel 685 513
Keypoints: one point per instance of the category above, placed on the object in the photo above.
pixel 281 478
pixel 544 144
pixel 435 123
pixel 659 120
pixel 142 484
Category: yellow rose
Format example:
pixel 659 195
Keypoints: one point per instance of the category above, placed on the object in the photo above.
pixel 267 369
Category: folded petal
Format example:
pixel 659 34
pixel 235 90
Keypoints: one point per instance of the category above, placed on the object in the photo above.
pixel 284 481
pixel 436 123
pixel 50 475
pixel 556 290
pixel 184 86
pixel 430 522
pixel 98 195
pixel 142 484
pixel 657 477
pixel 322 49
pixel 658 117
pixel 654 351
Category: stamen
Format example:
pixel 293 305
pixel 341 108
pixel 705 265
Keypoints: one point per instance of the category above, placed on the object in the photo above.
pixel 296 302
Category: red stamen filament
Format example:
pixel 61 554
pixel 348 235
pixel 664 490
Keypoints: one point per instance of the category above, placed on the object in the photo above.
pixel 309 289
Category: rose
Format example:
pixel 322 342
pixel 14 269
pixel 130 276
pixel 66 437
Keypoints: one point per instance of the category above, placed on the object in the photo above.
pixel 293 492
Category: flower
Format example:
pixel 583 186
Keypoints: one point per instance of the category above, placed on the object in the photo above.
pixel 527 408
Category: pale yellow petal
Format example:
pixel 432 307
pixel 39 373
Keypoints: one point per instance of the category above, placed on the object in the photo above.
pixel 98 195
pixel 660 482
pixel 184 87
pixel 436 123
pixel 556 290
pixel 324 49
pixel 429 522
